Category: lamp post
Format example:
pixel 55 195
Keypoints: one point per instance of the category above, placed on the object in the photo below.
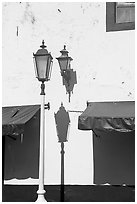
pixel 43 66
pixel 69 76
pixel 62 123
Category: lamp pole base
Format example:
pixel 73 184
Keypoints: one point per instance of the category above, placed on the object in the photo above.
pixel 41 197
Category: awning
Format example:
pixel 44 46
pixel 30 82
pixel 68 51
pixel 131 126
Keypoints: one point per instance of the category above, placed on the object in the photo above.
pixel 108 116
pixel 14 118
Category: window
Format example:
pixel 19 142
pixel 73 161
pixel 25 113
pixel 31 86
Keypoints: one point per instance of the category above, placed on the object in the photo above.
pixel 125 12
pixel 120 16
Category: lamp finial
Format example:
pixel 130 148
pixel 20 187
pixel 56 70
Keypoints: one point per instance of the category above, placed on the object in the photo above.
pixel 43 46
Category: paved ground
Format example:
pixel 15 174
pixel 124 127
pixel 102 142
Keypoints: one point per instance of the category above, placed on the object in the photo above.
pixel 72 193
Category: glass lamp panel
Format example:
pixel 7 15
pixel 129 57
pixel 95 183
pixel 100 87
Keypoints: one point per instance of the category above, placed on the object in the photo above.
pixel 36 73
pixel 41 65
pixel 48 68
pixel 63 63
pixel 68 63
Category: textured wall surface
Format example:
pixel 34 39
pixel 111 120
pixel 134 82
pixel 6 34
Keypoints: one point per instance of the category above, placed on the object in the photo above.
pixel 104 63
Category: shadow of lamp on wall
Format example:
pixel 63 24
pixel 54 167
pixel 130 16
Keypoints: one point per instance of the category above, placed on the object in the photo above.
pixel 68 75
pixel 62 121
pixel 43 66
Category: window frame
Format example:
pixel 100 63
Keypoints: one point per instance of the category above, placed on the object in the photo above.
pixel 111 24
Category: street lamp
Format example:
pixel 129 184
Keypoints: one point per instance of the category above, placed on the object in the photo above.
pixel 62 121
pixel 43 66
pixel 69 76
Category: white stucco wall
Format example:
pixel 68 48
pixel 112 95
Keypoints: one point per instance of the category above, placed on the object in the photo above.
pixel 104 62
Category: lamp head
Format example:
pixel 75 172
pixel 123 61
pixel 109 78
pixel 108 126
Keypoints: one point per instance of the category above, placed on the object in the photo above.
pixel 43 63
pixel 64 60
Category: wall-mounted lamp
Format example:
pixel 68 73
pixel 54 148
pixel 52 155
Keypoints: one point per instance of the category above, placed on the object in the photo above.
pixel 68 75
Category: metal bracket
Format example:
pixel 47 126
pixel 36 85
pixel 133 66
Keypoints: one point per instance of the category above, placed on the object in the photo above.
pixel 47 106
